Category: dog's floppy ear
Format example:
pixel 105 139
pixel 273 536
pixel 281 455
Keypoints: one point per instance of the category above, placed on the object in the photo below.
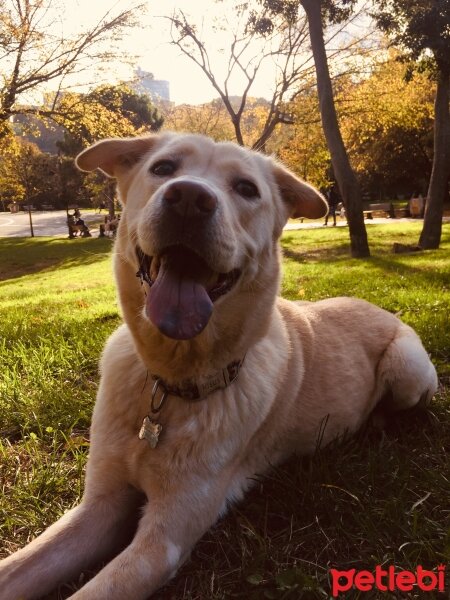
pixel 114 156
pixel 302 199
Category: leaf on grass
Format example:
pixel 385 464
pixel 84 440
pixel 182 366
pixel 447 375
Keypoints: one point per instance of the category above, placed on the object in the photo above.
pixel 293 578
pixel 77 441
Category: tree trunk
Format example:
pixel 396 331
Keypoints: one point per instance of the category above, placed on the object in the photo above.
pixel 438 187
pixel 346 179
pixel 110 198
pixel 30 220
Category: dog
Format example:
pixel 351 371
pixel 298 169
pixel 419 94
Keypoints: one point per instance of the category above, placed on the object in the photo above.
pixel 212 378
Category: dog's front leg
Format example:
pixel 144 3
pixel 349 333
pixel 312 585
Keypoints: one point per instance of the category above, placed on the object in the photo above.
pixel 81 538
pixel 167 531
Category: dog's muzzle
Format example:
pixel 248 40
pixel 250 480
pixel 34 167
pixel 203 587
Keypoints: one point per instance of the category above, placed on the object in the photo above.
pixel 182 267
pixel 189 200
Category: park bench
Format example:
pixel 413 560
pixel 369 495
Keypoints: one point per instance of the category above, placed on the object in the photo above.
pixel 47 207
pixel 386 208
pixel 26 207
pixel 401 212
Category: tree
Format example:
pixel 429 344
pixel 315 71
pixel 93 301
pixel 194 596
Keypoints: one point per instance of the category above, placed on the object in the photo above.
pixel 303 146
pixel 106 111
pixel 10 188
pixel 387 126
pixel 70 186
pixel 123 101
pixel 34 172
pixel 336 13
pixel 210 118
pixel 422 30
pixel 345 176
pixel 30 57
pixel 254 41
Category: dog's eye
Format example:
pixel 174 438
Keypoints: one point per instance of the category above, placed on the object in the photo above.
pixel 246 189
pixel 163 168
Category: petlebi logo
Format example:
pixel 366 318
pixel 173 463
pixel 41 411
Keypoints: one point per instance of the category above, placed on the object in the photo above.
pixel 387 579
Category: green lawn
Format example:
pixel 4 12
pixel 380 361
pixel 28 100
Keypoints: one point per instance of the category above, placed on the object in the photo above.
pixel 381 498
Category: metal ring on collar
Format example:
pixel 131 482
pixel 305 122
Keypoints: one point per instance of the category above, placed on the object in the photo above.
pixel 156 408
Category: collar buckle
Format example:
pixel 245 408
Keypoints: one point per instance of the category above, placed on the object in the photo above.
pixel 155 408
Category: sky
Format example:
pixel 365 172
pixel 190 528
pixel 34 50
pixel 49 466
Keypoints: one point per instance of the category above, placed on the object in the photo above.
pixel 151 42
pixel 149 47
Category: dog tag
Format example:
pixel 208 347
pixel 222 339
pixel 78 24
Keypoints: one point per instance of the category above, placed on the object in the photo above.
pixel 150 431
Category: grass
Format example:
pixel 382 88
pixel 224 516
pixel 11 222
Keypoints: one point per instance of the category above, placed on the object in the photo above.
pixel 380 498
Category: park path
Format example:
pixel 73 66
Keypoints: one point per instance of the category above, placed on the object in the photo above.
pixel 53 223
pixel 343 223
pixel 45 223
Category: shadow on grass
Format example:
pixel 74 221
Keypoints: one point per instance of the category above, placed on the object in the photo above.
pixel 327 245
pixel 389 265
pixel 337 252
pixel 25 256
pixel 328 254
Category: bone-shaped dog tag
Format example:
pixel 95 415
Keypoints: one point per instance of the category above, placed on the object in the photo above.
pixel 150 431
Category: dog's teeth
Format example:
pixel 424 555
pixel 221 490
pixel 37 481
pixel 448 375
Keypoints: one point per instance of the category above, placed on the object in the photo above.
pixel 214 281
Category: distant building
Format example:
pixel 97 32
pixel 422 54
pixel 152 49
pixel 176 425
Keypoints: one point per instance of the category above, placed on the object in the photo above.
pixel 157 89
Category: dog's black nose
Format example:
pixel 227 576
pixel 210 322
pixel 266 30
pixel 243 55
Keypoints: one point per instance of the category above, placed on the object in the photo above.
pixel 190 199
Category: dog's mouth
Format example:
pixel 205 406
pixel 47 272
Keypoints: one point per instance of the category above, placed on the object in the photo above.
pixel 183 288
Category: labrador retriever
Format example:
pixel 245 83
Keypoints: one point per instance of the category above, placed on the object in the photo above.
pixel 212 378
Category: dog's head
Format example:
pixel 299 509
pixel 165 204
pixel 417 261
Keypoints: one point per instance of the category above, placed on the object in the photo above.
pixel 200 222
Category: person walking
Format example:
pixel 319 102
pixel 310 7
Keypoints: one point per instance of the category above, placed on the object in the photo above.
pixel 333 200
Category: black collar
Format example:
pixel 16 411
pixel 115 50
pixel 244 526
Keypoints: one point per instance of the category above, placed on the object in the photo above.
pixel 191 390
pixel 197 390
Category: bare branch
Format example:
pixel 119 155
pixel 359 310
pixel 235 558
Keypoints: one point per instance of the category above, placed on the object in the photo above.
pixel 247 52
pixel 286 45
pixel 30 55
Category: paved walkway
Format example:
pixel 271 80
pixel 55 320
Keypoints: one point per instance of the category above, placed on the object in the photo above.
pixel 45 223
pixel 53 223
pixel 343 223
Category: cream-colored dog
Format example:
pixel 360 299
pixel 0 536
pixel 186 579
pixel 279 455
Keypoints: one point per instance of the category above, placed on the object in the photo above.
pixel 212 378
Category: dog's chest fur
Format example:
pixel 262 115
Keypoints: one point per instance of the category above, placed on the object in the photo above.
pixel 195 435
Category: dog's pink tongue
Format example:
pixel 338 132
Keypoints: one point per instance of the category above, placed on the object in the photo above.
pixel 177 302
